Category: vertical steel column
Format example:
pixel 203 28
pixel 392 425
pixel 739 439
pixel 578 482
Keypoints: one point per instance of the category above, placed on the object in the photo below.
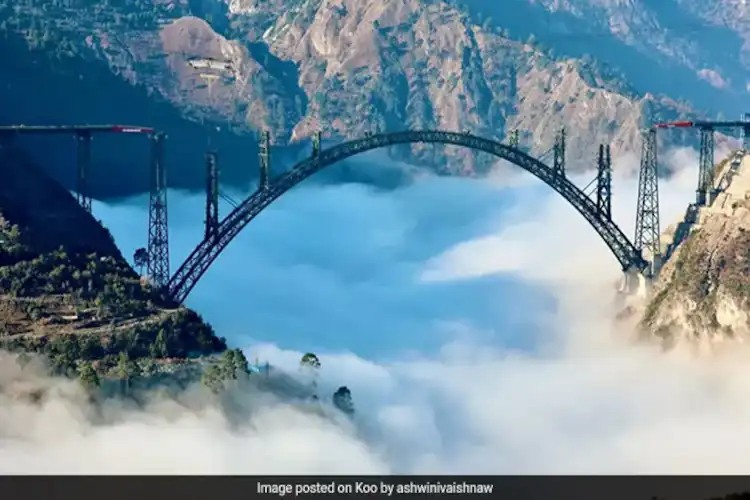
pixel 647 231
pixel 559 151
pixel 83 164
pixel 706 167
pixel 212 194
pixel 316 145
pixel 158 228
pixel 515 140
pixel 604 182
pixel 265 160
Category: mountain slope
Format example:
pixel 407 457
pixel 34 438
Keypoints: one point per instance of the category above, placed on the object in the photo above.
pixel 67 292
pixel 342 66
pixel 689 49
pixel 703 292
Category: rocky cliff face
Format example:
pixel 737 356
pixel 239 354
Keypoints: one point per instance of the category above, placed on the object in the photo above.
pixel 346 67
pixel 703 292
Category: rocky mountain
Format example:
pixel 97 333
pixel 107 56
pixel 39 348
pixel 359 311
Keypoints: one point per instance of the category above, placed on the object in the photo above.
pixel 703 291
pixel 688 49
pixel 346 67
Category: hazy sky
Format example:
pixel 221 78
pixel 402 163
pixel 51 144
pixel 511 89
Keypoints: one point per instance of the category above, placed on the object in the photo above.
pixel 471 320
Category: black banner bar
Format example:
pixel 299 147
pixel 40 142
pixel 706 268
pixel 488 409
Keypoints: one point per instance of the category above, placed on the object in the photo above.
pixel 505 487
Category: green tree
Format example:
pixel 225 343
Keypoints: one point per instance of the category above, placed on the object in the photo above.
pixel 124 372
pixel 342 399
pixel 87 376
pixel 159 348
pixel 310 360
pixel 90 347
pixel 213 378
pixel 62 364
pixel 310 367
pixel 146 367
pixel 234 364
pixel 140 259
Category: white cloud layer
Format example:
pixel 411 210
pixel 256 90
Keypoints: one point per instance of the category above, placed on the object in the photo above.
pixel 471 321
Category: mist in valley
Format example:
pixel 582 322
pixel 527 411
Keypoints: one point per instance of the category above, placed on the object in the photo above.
pixel 471 319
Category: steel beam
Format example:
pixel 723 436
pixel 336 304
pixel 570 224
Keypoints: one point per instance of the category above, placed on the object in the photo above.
pixel 316 144
pixel 647 231
pixel 559 151
pixel 604 182
pixel 515 138
pixel 83 165
pixel 212 194
pixel 706 167
pixel 158 228
pixel 264 152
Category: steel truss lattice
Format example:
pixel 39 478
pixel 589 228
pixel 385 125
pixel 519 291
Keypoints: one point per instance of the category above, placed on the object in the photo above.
pixel 183 281
pixel 158 229
pixel 647 232
pixel 706 167
pixel 558 164
pixel 604 181
pixel 212 195
pixel 265 160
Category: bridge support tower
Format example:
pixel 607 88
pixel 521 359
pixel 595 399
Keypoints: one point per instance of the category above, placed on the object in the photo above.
pixel 746 132
pixel 604 181
pixel 83 165
pixel 158 229
pixel 647 231
pixel 265 159
pixel 316 144
pixel 212 194
pixel 559 151
pixel 515 138
pixel 706 167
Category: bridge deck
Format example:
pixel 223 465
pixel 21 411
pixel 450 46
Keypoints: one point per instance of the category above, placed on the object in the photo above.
pixel 702 124
pixel 74 129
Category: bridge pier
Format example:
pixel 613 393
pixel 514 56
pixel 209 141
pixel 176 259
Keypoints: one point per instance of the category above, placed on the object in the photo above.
pixel 515 139
pixel 634 283
pixel 83 164
pixel 316 144
pixel 705 167
pixel 558 164
pixel 264 152
pixel 212 194
pixel 647 230
pixel 158 230
pixel 604 181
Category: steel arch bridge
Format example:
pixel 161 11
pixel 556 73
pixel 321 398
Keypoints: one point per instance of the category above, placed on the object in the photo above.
pixel 198 262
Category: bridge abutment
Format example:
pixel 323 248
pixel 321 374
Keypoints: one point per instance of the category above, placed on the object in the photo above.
pixel 634 284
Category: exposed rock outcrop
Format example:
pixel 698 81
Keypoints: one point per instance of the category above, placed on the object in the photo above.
pixel 703 292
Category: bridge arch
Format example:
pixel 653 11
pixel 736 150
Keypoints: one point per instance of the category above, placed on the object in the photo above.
pixel 198 262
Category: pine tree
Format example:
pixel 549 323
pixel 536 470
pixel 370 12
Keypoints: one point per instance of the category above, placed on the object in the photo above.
pixel 342 399
pixel 124 372
pixel 159 348
pixel 87 376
